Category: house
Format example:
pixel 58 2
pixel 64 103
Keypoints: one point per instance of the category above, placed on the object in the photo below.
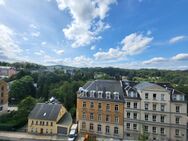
pixel 100 108
pixel 6 71
pixel 154 109
pixel 49 118
pixel 3 97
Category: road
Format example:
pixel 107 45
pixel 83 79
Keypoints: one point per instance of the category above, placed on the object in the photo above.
pixel 22 136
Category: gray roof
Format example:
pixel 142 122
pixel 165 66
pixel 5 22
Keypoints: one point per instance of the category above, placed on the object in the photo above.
pixel 104 86
pixel 45 111
pixel 66 119
pixel 149 86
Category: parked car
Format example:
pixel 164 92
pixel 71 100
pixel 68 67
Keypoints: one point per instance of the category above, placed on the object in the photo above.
pixel 73 132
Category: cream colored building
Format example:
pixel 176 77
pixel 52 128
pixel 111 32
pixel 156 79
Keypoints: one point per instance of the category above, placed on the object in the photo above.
pixel 157 110
pixel 49 118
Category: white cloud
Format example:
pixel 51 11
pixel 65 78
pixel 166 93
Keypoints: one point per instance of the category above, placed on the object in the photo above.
pixel 35 34
pixel 87 21
pixel 135 43
pixel 154 60
pixel 8 46
pixel 110 54
pixel 43 43
pixel 59 52
pixel 40 53
pixel 176 39
pixel 93 47
pixel 25 38
pixel 33 26
pixel 180 57
pixel 2 2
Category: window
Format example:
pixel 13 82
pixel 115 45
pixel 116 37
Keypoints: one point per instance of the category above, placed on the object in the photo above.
pixel 100 106
pixel 100 94
pixel 84 104
pixel 46 131
pixel 154 96
pixel 146 117
pixel 162 131
pixel 116 95
pixel 83 115
pixel 146 106
pixel 154 117
pixel 162 107
pixel 128 135
pixel 92 94
pixel 46 123
pixel 36 122
pixel 146 95
pixel 146 128
pixel 116 130
pixel 162 118
pixel 51 123
pixel 91 116
pixel 107 107
pixel 135 105
pixel 128 104
pixel 128 114
pixel 154 130
pixel 135 115
pixel 91 104
pixel 1 108
pixel 99 128
pixel 162 97
pixel 116 108
pixel 177 132
pixel 108 95
pixel 107 118
pixel 154 107
pixel 177 120
pixel 91 127
pixel 128 125
pixel 135 126
pixel 177 109
pixel 83 125
pixel 116 119
pixel 107 129
pixel 99 117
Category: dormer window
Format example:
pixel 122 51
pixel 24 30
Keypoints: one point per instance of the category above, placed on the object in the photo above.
pixel 85 93
pixel 108 95
pixel 116 95
pixel 100 94
pixel 92 94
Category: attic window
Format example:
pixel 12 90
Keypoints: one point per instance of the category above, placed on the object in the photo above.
pixel 92 93
pixel 85 93
pixel 108 95
pixel 100 94
pixel 116 95
pixel 44 114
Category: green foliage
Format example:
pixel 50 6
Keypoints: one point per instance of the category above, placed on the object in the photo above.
pixel 22 88
pixel 15 120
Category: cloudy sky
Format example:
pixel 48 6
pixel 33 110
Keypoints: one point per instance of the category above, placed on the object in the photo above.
pixel 88 33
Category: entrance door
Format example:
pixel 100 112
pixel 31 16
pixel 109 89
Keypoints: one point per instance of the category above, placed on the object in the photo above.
pixel 41 130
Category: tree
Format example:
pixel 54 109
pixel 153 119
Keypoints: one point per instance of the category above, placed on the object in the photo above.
pixel 22 88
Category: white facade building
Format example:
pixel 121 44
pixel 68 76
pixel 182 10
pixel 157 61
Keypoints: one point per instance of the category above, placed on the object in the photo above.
pixel 157 110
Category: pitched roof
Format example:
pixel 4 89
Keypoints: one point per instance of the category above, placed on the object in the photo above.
pixel 45 111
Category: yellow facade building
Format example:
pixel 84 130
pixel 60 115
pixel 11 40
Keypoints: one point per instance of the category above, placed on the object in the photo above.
pixel 49 118
pixel 3 97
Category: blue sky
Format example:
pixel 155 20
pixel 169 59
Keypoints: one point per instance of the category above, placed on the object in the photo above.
pixel 129 34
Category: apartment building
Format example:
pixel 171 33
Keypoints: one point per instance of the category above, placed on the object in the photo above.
pixel 156 110
pixel 6 71
pixel 100 108
pixel 49 118
pixel 3 97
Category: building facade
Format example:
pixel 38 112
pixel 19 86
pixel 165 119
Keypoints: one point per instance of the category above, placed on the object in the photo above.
pixel 49 118
pixel 3 97
pixel 100 108
pixel 6 72
pixel 156 110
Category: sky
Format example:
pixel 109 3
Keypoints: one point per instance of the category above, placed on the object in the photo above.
pixel 130 34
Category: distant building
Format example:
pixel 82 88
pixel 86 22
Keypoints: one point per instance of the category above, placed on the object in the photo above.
pixel 157 110
pixel 6 71
pixel 3 97
pixel 100 108
pixel 49 118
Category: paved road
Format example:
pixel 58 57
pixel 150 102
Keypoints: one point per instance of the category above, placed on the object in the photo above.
pixel 21 136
